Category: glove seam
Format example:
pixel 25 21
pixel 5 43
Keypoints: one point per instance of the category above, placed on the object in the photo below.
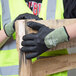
pixel 5 30
pixel 66 32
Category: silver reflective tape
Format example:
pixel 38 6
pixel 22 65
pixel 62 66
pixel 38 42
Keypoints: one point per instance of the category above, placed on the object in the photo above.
pixel 10 44
pixel 10 70
pixel 51 8
pixel 5 12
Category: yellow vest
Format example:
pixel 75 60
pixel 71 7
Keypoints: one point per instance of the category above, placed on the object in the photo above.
pixel 10 57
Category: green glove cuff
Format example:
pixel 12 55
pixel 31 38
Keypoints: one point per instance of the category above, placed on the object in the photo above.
pixel 57 36
pixel 9 30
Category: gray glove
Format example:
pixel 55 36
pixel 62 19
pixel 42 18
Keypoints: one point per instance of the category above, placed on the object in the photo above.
pixel 59 35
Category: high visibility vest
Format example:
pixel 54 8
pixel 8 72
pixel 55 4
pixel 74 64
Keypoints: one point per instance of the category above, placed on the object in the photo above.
pixel 10 10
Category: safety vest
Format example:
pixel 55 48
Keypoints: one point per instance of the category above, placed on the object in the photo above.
pixel 9 10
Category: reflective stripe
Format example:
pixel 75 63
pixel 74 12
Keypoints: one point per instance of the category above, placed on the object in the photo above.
pixel 10 70
pixel 51 8
pixel 11 44
pixel 5 12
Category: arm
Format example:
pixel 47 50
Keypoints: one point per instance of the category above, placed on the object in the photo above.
pixel 3 38
pixel 71 30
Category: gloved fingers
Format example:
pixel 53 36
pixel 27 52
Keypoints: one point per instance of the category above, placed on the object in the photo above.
pixel 28 43
pixel 28 49
pixel 31 36
pixel 32 16
pixel 34 25
pixel 31 55
pixel 24 16
pixel 28 16
pixel 21 16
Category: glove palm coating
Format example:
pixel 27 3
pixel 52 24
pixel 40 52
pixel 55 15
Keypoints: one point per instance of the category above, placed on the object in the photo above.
pixel 10 28
pixel 34 42
pixel 27 16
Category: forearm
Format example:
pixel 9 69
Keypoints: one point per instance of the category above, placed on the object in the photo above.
pixel 59 35
pixel 3 38
pixel 71 30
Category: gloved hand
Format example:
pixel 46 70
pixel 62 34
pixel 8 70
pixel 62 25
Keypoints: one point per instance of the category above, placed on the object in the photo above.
pixel 34 42
pixel 10 28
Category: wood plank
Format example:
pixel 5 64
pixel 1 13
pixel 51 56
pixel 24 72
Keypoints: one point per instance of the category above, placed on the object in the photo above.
pixel 51 65
pixel 25 65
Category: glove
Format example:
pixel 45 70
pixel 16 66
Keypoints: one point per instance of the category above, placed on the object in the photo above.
pixel 59 35
pixel 10 28
pixel 34 42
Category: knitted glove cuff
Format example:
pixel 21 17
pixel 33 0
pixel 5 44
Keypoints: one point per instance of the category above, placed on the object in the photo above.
pixel 66 33
pixel 59 35
pixel 9 30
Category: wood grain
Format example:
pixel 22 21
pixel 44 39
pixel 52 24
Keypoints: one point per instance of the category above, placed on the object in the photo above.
pixel 25 65
pixel 51 65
